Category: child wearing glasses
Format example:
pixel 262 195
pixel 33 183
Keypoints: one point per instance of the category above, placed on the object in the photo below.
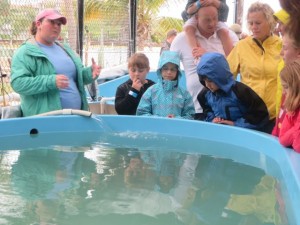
pixel 166 98
pixel 129 93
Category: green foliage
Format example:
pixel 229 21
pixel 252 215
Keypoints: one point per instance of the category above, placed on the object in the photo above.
pixel 103 10
pixel 115 15
pixel 15 21
pixel 164 24
pixel 106 23
pixel 106 18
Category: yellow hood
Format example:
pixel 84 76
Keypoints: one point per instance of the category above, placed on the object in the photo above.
pixel 282 16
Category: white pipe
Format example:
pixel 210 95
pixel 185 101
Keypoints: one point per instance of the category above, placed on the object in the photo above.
pixel 67 112
pixel 103 102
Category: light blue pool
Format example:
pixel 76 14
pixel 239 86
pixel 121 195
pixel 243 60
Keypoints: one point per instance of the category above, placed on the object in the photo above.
pixel 240 145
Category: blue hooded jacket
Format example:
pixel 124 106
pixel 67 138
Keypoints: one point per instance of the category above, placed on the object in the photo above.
pixel 166 97
pixel 233 100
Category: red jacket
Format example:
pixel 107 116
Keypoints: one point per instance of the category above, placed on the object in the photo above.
pixel 289 134
pixel 279 119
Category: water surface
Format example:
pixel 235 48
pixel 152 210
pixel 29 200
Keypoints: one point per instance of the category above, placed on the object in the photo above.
pixel 133 178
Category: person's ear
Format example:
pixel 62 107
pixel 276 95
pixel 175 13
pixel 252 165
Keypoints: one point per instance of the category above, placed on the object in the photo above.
pixel 38 23
pixel 298 53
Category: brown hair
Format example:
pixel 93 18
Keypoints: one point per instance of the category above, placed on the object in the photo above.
pixel 33 28
pixel 290 75
pixel 139 60
pixel 291 6
pixel 293 9
pixel 266 10
pixel 289 34
pixel 171 33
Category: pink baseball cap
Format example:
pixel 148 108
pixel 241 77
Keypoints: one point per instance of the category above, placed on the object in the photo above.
pixel 51 14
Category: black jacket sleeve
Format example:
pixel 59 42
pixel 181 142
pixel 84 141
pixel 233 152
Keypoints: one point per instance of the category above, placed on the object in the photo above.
pixel 126 104
pixel 207 110
pixel 189 3
pixel 257 110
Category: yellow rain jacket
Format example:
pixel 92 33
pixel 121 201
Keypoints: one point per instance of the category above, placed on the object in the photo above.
pixel 283 17
pixel 279 88
pixel 261 203
pixel 257 64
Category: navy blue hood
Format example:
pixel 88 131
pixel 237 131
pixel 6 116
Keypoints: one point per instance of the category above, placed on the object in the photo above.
pixel 215 67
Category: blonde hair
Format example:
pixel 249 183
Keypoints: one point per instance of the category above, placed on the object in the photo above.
pixel 266 10
pixel 139 60
pixel 290 75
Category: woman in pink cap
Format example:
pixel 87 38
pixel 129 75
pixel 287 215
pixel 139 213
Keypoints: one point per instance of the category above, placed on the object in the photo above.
pixel 48 75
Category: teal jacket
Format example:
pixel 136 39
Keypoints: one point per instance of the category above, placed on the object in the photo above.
pixel 166 96
pixel 33 76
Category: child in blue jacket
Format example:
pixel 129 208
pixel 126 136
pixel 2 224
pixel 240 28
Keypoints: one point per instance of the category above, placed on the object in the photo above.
pixel 225 100
pixel 166 98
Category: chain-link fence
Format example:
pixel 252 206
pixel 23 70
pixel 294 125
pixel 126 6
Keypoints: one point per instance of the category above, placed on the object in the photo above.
pixel 102 39
pixel 106 33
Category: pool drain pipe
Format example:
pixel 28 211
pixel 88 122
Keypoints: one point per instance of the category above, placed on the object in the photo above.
pixel 103 101
pixel 67 112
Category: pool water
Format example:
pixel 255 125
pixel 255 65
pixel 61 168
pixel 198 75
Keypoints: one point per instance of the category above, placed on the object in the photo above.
pixel 134 178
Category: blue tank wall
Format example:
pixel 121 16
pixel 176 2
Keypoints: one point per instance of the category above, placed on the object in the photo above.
pixel 254 148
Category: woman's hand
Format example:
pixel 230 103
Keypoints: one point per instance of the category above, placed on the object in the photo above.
pixel 62 81
pixel 95 69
